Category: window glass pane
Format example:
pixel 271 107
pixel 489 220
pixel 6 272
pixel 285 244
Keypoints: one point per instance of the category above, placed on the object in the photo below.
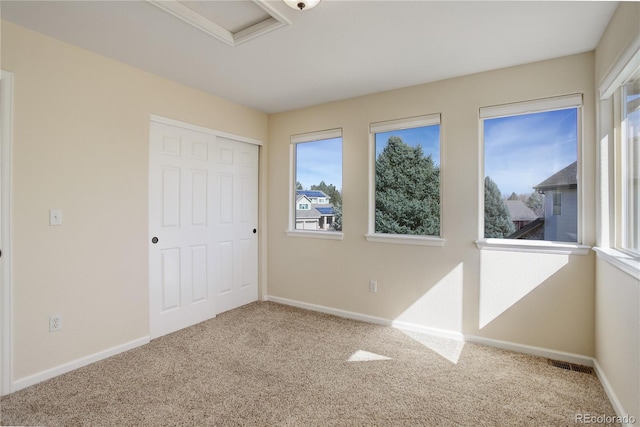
pixel 531 183
pixel 557 203
pixel 631 134
pixel 318 192
pixel 407 181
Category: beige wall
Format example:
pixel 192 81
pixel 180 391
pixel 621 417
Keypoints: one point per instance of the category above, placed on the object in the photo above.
pixel 543 300
pixel 617 331
pixel 618 334
pixel 81 145
pixel 81 136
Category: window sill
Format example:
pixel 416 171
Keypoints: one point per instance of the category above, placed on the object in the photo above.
pixel 327 235
pixel 404 239
pixel 540 246
pixel 622 261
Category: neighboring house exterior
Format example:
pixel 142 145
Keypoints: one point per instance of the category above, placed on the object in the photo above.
pixel 528 225
pixel 520 213
pixel 313 210
pixel 561 204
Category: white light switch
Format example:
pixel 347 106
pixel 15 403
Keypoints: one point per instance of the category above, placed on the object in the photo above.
pixel 55 217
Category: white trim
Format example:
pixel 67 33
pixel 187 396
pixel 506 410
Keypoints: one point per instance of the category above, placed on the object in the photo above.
pixel 6 284
pixel 316 136
pixel 533 106
pixel 408 123
pixel 625 65
pixel 532 350
pixel 318 234
pixel 436 332
pixel 207 26
pixel 457 336
pixel 540 246
pixel 405 239
pixel 201 129
pixel 521 108
pixel 622 261
pixel 329 310
pixel 321 135
pixel 386 126
pixel 628 155
pixel 292 187
pixel 78 363
pixel 611 394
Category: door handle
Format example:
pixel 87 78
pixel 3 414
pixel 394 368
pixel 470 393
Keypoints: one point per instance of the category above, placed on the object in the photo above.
pixel 154 240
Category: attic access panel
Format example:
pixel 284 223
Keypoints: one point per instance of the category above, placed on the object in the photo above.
pixel 233 22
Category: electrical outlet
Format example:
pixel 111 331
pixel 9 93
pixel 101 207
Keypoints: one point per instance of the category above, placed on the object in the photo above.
pixel 373 286
pixel 55 322
pixel 55 217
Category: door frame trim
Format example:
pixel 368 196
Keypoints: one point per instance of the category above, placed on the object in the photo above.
pixel 6 283
pixel 190 126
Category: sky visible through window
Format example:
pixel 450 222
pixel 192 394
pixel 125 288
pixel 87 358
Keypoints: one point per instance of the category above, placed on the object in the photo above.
pixel 522 151
pixel 427 136
pixel 318 161
pixel 519 151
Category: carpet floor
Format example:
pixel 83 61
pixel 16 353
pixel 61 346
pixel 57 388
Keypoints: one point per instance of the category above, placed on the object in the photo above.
pixel 267 364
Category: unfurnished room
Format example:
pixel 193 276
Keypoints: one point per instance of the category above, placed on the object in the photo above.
pixel 319 213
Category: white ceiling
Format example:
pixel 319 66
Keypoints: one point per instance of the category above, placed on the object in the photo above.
pixel 338 50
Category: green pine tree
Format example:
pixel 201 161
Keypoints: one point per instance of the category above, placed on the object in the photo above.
pixel 497 220
pixel 337 219
pixel 407 191
pixel 535 202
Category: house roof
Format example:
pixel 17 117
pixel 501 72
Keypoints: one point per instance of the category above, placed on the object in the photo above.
pixel 565 178
pixel 325 210
pixel 527 229
pixel 300 196
pixel 308 214
pixel 312 193
pixel 317 210
pixel 519 211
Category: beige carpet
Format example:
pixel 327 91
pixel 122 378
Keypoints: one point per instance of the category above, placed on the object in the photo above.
pixel 267 364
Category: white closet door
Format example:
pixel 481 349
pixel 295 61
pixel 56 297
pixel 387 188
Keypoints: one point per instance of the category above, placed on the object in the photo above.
pixel 236 231
pixel 203 251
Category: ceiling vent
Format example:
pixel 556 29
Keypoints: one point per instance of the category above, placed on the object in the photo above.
pixel 233 22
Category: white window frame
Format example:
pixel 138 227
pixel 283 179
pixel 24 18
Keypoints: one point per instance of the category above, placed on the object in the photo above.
pixel 612 225
pixel 386 126
pixel 557 195
pixel 294 140
pixel 522 108
pixel 624 154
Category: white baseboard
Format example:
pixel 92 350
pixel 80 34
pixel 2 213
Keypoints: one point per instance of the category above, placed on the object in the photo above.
pixel 520 348
pixel 611 394
pixel 329 310
pixel 442 333
pixel 506 345
pixel 457 336
pixel 75 364
pixel 532 350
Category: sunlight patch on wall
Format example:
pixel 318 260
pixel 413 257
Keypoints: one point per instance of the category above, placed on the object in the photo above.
pixel 507 277
pixel 438 308
pixel 366 356
pixel 447 348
